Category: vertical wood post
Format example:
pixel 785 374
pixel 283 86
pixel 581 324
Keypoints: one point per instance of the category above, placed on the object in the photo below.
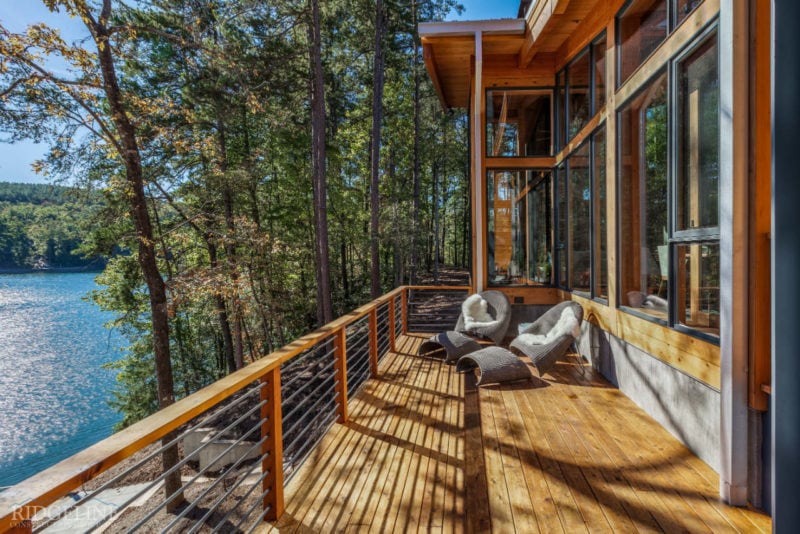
pixel 373 342
pixel 404 309
pixel 272 448
pixel 391 324
pixel 340 354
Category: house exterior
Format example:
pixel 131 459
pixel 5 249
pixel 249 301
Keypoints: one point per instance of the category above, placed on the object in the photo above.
pixel 621 158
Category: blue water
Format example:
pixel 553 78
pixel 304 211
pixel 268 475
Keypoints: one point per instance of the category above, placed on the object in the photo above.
pixel 53 391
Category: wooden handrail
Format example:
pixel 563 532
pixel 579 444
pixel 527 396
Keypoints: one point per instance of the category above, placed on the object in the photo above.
pixel 22 501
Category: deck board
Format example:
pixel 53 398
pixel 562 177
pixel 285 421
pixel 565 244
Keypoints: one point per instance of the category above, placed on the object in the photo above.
pixel 425 450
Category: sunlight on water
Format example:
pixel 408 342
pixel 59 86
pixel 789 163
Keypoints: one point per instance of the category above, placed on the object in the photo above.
pixel 53 391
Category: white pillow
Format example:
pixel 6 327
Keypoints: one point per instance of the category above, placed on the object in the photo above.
pixel 476 314
pixel 567 324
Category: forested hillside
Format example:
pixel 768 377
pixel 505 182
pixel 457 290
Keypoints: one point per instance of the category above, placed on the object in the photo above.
pixel 269 165
pixel 44 226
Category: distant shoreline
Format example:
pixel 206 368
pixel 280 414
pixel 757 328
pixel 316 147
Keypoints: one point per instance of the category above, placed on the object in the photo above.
pixel 55 270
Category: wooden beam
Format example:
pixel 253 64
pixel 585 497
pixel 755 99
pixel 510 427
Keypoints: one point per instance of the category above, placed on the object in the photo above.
pixel 430 64
pixel 272 448
pixel 340 364
pixel 760 360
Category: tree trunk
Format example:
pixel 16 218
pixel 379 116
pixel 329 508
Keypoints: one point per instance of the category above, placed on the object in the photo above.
pixel 146 250
pixel 435 222
pixel 416 170
pixel 230 249
pixel 320 187
pixel 377 118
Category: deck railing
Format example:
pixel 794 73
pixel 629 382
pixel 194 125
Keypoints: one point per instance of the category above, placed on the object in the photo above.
pixel 241 438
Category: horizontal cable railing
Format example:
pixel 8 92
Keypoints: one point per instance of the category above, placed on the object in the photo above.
pixel 234 443
pixel 434 309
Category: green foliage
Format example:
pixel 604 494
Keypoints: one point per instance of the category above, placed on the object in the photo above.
pixel 218 91
pixel 43 226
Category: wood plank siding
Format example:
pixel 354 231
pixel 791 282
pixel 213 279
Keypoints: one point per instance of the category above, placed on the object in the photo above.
pixel 424 450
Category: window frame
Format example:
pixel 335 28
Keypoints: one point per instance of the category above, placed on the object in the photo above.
pixel 675 238
pixel 563 168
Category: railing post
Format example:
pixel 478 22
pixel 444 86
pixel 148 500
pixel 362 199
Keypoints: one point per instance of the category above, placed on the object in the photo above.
pixel 272 448
pixel 340 353
pixel 391 324
pixel 404 309
pixel 373 342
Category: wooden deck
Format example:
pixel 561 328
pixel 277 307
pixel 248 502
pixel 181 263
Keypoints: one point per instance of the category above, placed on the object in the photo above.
pixel 427 451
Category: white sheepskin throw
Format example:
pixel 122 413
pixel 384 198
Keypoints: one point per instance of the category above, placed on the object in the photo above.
pixel 476 314
pixel 567 324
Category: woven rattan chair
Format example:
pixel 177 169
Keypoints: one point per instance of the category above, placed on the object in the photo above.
pixel 544 356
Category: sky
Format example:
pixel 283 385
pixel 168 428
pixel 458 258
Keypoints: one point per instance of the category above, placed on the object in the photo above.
pixel 15 15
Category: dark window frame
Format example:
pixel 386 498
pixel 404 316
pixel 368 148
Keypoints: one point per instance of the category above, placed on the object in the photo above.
pixel 676 238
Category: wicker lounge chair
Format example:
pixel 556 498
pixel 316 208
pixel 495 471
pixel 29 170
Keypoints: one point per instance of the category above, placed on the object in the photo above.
pixel 460 342
pixel 545 355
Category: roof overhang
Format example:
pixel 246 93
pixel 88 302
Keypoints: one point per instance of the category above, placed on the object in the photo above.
pixel 543 40
pixel 448 49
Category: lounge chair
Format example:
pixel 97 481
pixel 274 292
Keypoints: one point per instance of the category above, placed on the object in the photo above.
pixel 548 338
pixel 484 316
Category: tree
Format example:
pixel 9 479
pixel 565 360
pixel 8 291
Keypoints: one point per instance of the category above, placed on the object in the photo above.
pixel 318 176
pixel 377 119
pixel 93 100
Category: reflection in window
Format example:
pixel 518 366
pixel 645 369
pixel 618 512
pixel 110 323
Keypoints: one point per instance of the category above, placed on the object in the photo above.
pixel 683 8
pixel 697 302
pixel 644 272
pixel 698 134
pixel 540 262
pixel 561 236
pixel 579 103
pixel 518 123
pixel 599 54
pixel 580 219
pixel 641 27
pixel 519 227
pixel 601 243
pixel 561 117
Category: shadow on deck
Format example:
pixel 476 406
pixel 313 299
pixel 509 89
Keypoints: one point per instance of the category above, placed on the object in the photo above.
pixel 425 450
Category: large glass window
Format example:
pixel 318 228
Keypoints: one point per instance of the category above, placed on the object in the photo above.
pixel 641 27
pixel 540 261
pixel 644 238
pixel 519 227
pixel 698 135
pixel 518 123
pixel 599 60
pixel 580 90
pixel 696 235
pixel 669 266
pixel 562 227
pixel 580 219
pixel 578 93
pixel 601 239
pixel 561 109
pixel 581 229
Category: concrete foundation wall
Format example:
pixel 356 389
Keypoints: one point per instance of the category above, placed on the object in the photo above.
pixel 686 407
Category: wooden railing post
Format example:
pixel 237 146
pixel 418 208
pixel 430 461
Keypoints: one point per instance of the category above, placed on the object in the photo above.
pixel 391 324
pixel 340 353
pixel 272 448
pixel 373 342
pixel 404 309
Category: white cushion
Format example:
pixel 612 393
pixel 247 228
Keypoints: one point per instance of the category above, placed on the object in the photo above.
pixel 567 324
pixel 476 313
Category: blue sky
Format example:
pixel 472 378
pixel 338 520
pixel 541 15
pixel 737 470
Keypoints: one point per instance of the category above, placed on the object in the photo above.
pixel 16 159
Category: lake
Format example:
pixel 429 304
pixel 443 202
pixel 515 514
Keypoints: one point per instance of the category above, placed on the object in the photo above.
pixel 53 390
